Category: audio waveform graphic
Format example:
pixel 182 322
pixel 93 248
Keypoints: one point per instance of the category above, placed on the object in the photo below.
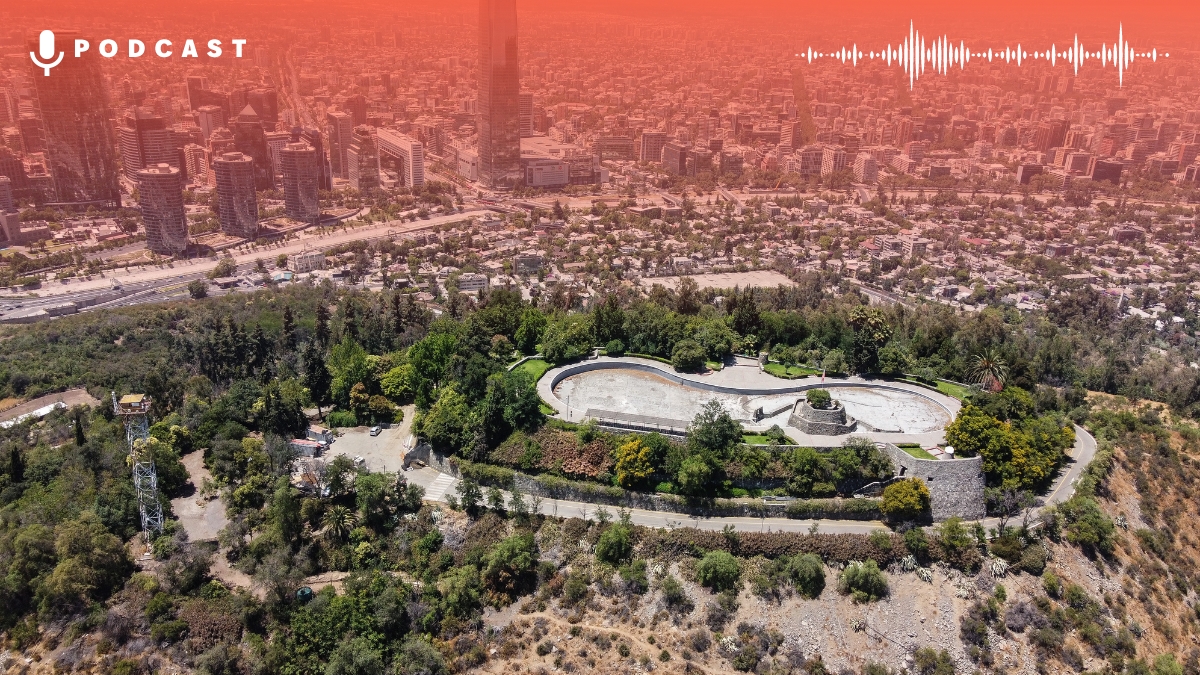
pixel 939 54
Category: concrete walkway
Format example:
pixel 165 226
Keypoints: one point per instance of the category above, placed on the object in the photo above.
pixel 438 485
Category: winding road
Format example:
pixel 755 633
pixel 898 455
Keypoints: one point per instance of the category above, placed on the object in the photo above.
pixel 439 485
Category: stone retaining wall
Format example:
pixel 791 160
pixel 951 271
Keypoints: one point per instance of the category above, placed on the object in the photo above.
pixel 956 485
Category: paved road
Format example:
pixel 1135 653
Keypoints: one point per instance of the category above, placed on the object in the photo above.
pixel 438 485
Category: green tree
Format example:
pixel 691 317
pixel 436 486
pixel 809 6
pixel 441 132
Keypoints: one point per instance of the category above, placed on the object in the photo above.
pixel 348 366
pixel 510 565
pixel 719 571
pixel 714 430
pixel 687 356
pixel 904 500
pixel 446 425
pixel 197 289
pixel 567 337
pixel 355 656
pixel 529 332
pixel 871 332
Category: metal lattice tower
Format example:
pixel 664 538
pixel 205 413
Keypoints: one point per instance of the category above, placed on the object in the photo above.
pixel 135 410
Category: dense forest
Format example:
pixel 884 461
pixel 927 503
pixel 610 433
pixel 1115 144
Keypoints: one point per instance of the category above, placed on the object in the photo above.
pixel 232 377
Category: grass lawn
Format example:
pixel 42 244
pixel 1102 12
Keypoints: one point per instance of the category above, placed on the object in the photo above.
pixel 789 372
pixel 535 368
pixel 713 365
pixel 916 451
pixel 956 390
pixel 759 439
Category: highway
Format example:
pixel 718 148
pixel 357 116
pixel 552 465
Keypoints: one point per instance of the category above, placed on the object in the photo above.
pixel 121 288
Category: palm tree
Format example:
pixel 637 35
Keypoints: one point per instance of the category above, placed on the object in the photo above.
pixel 339 520
pixel 989 369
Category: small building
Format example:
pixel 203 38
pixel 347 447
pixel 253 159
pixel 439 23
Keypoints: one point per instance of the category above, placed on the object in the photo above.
pixel 304 447
pixel 320 434
pixel 306 261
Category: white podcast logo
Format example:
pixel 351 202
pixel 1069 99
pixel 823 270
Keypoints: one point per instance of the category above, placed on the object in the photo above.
pixel 108 49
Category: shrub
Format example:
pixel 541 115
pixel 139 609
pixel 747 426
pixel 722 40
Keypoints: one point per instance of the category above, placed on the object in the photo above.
pixel 807 574
pixel 1051 584
pixel 819 399
pixel 634 576
pixel 1033 560
pixel 341 418
pixel 634 463
pixel 927 661
pixel 688 356
pixel 615 545
pixel 615 348
pixel 907 499
pixel 1086 525
pixel 863 581
pixel 674 595
pixel 718 570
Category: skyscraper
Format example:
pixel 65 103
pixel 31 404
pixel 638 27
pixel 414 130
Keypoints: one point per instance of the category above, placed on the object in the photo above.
pixel 80 148
pixel 6 194
pixel 251 140
pixel 526 115
pixel 499 94
pixel 208 118
pixel 145 141
pixel 299 162
pixel 357 107
pixel 362 159
pixel 160 194
pixel 313 138
pixel 265 102
pixel 237 203
pixel 341 129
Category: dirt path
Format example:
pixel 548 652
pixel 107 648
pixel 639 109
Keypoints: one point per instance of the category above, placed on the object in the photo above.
pixel 202 518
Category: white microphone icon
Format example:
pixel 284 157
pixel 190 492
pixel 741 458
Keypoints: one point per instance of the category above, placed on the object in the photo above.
pixel 46 51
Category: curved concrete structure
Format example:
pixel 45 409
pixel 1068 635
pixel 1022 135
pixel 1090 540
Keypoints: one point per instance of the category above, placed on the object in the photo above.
pixel 743 379
pixel 832 421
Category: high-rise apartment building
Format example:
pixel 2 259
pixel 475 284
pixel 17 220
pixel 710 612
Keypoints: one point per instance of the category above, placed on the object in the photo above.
pixel 80 147
pixel 6 194
pixel 209 118
pixel 340 132
pixel 195 159
pixel 237 202
pixel 357 107
pixel 251 140
pixel 300 174
pixel 362 159
pixel 525 111
pixel 833 159
pixel 160 195
pixel 674 156
pixel 866 169
pixel 145 141
pixel 652 145
pixel 313 137
pixel 405 153
pixel 499 94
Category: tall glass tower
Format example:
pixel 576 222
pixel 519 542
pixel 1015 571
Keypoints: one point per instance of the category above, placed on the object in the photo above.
pixel 80 144
pixel 499 94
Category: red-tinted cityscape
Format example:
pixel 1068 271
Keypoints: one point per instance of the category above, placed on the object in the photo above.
pixel 708 151
pixel 628 336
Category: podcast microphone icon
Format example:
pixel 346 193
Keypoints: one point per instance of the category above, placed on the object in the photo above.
pixel 46 51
